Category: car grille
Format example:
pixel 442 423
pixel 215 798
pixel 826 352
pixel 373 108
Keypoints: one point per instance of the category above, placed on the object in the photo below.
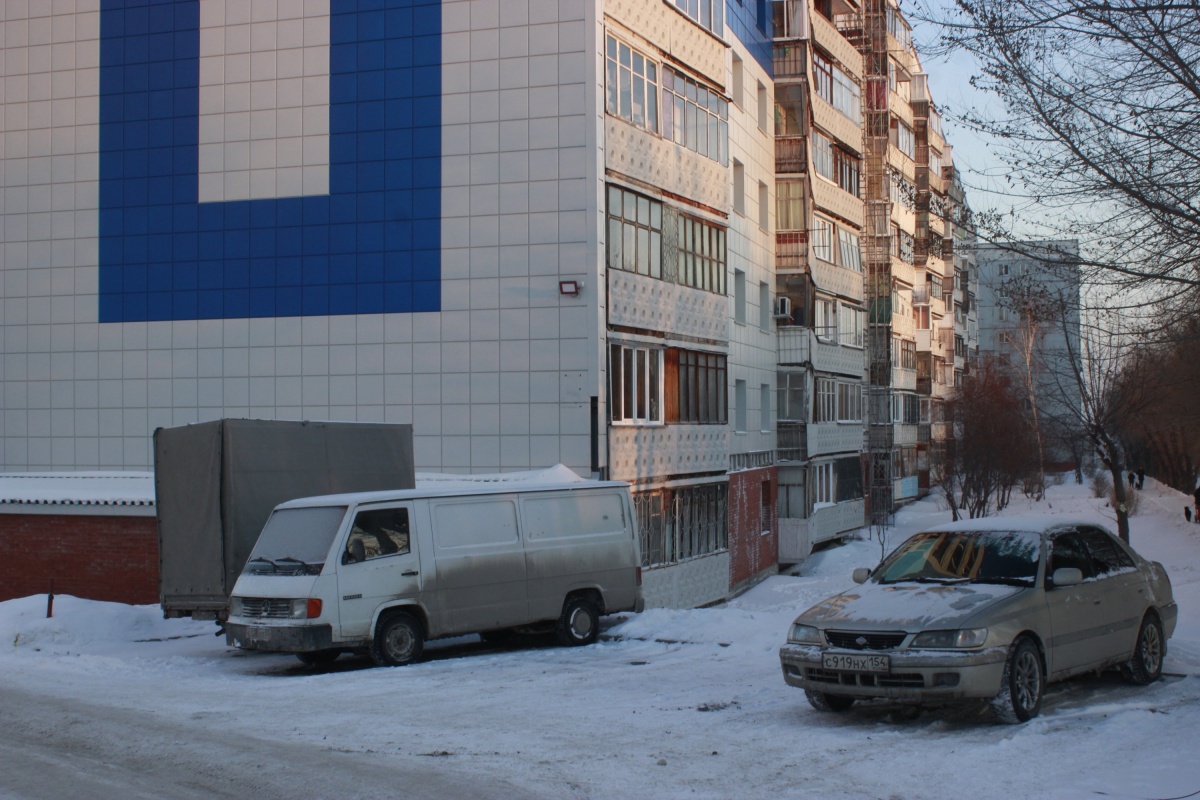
pixel 266 607
pixel 890 681
pixel 860 640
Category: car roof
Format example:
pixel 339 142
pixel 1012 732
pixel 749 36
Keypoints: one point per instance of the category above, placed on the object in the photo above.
pixel 1033 523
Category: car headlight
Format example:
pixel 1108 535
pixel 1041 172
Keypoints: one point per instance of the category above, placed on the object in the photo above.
pixel 804 634
pixel 941 640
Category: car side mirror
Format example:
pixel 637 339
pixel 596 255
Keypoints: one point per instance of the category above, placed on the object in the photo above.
pixel 861 575
pixel 1066 576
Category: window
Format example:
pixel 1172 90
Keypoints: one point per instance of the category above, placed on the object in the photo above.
pixel 902 137
pixel 921 316
pixel 737 88
pixel 631 85
pixel 377 533
pixel 764 407
pixel 823 155
pixel 1107 555
pixel 935 162
pixel 635 384
pixel 634 232
pixel 851 326
pixel 741 398
pixel 837 87
pixel 701 388
pixel 764 207
pixel 906 408
pixel 848 250
pixel 739 297
pixel 849 402
pixel 823 76
pixel 739 187
pixel 906 252
pixel 695 116
pixel 700 249
pixel 789 206
pixel 677 524
pixel 825 409
pixel 822 239
pixel 1068 551
pixel 763 108
pixel 708 14
pixel 791 397
pixel 764 306
pixel 825 318
pixel 846 167
pixel 908 354
pixel 823 475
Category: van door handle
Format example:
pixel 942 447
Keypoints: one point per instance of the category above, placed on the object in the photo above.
pixel 409 572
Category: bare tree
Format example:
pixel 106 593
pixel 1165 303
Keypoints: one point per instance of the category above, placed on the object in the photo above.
pixel 1100 128
pixel 992 448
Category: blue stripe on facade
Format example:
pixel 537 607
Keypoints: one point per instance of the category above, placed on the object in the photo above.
pixel 750 21
pixel 372 245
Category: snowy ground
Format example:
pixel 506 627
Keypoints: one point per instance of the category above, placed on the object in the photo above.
pixel 670 704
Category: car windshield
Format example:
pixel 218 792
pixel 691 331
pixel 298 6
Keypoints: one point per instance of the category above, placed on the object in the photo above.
pixel 1003 557
pixel 296 541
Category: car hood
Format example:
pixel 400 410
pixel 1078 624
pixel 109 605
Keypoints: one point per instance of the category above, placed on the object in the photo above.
pixel 905 606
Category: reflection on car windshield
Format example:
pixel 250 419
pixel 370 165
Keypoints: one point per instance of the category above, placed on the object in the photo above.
pixel 1003 557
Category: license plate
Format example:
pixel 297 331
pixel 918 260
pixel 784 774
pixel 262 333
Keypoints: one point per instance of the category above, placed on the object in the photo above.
pixel 855 663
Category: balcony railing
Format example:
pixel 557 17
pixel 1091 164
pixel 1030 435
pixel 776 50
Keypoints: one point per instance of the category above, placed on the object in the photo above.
pixel 791 250
pixel 791 154
pixel 792 441
pixel 791 60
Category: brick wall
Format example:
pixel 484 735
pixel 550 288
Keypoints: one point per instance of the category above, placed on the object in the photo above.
pixel 111 558
pixel 753 554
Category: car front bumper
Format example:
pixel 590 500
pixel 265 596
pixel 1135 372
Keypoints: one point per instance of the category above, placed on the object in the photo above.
pixel 925 676
pixel 279 638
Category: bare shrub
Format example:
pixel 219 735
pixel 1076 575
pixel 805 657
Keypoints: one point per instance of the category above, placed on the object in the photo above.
pixel 1100 484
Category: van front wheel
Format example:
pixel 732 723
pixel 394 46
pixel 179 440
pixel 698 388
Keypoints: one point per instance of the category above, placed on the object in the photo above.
pixel 579 623
pixel 399 640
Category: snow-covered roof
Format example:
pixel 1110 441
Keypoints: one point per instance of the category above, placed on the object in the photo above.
pixel 77 488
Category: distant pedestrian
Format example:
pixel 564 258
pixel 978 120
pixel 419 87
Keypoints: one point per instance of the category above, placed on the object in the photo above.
pixel 1141 478
pixel 1132 480
pixel 1187 513
pixel 1196 495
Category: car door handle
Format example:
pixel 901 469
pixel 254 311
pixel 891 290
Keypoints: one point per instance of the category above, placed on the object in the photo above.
pixel 410 572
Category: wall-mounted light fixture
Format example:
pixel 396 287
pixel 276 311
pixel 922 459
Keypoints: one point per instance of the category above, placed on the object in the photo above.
pixel 570 288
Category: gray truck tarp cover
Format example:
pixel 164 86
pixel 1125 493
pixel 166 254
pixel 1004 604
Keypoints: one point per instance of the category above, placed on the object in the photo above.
pixel 216 483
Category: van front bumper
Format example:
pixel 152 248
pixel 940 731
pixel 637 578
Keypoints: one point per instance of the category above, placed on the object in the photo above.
pixel 279 638
pixel 924 676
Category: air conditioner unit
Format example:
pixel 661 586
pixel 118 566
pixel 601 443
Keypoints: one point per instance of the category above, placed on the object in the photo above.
pixel 783 308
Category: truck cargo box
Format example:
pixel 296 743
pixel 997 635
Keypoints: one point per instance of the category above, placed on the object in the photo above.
pixel 216 483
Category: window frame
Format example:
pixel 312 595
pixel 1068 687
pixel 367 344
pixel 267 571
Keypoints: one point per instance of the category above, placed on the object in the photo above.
pixel 621 96
pixel 636 378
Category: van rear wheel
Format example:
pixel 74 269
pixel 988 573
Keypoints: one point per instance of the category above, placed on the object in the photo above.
pixel 399 640
pixel 579 623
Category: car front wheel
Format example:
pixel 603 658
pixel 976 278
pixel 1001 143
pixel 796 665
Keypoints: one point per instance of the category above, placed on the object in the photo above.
pixel 1146 665
pixel 829 702
pixel 399 640
pixel 1021 688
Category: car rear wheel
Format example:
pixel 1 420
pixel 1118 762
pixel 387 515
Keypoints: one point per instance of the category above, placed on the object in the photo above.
pixel 579 623
pixel 829 702
pixel 1021 688
pixel 1146 665
pixel 399 640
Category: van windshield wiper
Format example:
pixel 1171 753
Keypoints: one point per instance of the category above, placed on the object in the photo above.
pixel 261 560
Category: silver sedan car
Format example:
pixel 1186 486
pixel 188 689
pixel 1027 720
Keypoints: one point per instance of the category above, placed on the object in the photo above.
pixel 989 608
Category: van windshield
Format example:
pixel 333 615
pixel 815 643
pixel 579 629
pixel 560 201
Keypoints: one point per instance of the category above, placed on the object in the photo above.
pixel 295 541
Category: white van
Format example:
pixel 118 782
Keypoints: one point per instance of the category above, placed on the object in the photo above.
pixel 382 572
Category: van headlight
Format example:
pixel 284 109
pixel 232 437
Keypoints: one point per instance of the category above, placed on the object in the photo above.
pixel 235 607
pixel 804 634
pixel 949 640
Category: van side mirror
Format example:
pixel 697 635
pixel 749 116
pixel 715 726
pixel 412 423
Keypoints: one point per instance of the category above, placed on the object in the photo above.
pixel 1066 576
pixel 861 575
